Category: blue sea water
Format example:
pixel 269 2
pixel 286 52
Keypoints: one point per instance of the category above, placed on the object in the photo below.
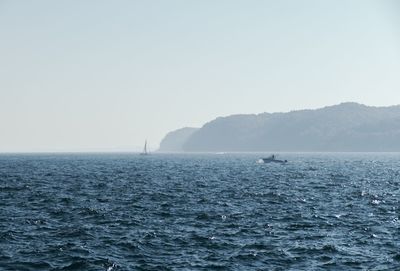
pixel 199 212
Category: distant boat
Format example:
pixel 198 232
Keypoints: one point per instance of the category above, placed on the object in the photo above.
pixel 145 151
pixel 272 159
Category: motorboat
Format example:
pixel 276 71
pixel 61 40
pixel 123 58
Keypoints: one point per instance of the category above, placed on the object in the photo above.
pixel 272 159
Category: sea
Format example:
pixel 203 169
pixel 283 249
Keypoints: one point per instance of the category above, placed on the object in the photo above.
pixel 124 211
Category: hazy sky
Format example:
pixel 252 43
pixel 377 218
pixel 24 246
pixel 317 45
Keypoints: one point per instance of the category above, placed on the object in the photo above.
pixel 90 75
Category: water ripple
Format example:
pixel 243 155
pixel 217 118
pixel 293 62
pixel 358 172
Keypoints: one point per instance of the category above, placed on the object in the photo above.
pixel 199 212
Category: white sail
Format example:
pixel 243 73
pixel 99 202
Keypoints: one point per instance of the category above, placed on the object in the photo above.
pixel 145 152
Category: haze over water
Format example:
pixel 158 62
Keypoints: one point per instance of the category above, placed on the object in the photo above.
pixel 199 212
pixel 104 75
pixel 108 76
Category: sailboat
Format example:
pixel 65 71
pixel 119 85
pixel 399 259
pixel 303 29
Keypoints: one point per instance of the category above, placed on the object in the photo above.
pixel 145 151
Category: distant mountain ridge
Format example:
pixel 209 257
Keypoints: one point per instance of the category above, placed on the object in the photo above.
pixel 175 140
pixel 343 127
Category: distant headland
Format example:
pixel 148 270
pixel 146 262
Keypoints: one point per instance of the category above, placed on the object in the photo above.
pixel 346 127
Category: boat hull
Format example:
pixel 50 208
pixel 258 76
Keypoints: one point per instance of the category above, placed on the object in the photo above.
pixel 274 161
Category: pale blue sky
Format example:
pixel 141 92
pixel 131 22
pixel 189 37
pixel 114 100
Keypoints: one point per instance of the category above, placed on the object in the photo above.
pixel 96 75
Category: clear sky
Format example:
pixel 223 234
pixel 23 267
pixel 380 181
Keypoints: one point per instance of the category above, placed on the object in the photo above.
pixel 106 75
